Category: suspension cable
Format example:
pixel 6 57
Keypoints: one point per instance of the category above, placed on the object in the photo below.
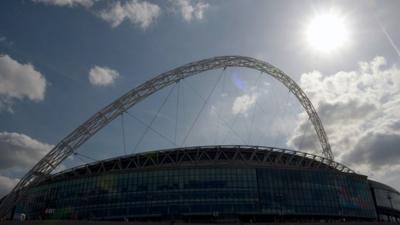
pixel 254 111
pixel 216 112
pixel 217 135
pixel 152 129
pixel 177 111
pixel 249 137
pixel 227 125
pixel 304 133
pixel 85 156
pixel 123 133
pixel 202 107
pixel 265 113
pixel 236 117
pixel 183 104
pixel 154 118
pixel 273 113
pixel 284 112
pixel 83 161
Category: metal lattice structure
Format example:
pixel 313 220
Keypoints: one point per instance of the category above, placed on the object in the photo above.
pixel 80 135
pixel 214 155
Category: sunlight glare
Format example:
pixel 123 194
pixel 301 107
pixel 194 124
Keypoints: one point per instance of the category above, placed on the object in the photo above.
pixel 327 32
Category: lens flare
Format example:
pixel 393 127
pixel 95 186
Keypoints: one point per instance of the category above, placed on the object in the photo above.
pixel 239 83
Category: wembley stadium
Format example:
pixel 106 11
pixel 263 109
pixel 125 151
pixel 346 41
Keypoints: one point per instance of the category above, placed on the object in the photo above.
pixel 244 183
pixel 210 183
pixel 219 183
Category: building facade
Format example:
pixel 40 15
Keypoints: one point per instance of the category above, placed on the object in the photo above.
pixel 211 182
pixel 387 201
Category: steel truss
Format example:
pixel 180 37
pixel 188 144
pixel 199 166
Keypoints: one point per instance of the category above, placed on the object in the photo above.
pixel 80 135
pixel 240 155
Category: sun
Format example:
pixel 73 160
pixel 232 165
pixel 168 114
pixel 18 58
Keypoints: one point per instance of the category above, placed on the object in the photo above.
pixel 327 32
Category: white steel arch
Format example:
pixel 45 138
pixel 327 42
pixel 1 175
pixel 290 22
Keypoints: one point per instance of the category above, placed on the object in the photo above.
pixel 80 135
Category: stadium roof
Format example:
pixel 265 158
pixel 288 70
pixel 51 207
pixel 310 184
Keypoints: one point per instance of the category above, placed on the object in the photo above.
pixel 206 155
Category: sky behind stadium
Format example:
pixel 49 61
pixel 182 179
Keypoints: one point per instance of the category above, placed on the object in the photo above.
pixel 63 60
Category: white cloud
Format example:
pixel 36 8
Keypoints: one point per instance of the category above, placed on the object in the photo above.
pixel 68 3
pixel 361 113
pixel 18 153
pixel 243 103
pixel 140 13
pixel 102 76
pixel 189 10
pixel 18 81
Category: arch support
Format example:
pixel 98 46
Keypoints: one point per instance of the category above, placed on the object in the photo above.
pixel 80 135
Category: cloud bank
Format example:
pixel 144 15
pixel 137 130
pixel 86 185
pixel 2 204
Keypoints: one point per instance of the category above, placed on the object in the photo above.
pixel 361 113
pixel 19 81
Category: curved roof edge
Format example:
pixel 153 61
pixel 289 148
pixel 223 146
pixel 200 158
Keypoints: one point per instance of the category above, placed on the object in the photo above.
pixel 379 185
pixel 200 155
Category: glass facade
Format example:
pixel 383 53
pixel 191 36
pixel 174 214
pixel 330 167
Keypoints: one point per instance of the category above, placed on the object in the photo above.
pixel 387 202
pixel 215 191
pixel 387 199
pixel 299 192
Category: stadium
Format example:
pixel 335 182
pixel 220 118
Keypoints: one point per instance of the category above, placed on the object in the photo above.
pixel 243 183
pixel 231 183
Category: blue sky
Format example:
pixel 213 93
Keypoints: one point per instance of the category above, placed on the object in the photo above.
pixel 50 49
